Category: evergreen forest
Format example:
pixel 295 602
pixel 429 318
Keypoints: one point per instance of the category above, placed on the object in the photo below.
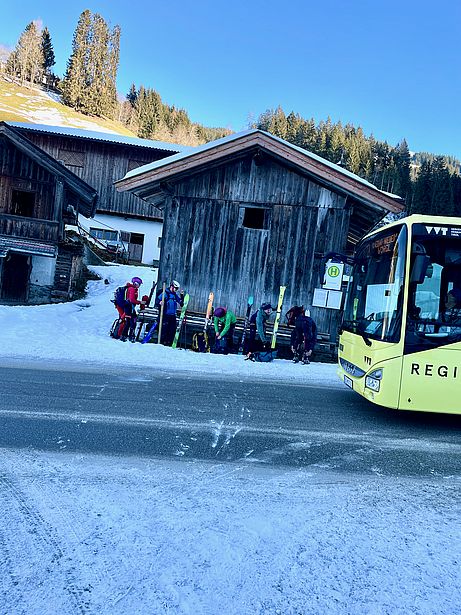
pixel 428 183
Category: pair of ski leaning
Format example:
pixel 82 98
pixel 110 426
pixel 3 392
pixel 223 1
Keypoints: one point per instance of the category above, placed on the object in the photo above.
pixel 257 348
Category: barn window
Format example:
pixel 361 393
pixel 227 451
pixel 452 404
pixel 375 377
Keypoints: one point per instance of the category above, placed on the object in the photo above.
pixel 254 217
pixel 72 159
pixel 23 203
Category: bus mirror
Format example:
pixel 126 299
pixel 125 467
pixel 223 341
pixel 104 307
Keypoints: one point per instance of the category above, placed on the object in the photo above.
pixel 420 267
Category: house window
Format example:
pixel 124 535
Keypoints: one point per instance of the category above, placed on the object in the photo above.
pixel 105 234
pixel 254 217
pixel 23 203
pixel 72 159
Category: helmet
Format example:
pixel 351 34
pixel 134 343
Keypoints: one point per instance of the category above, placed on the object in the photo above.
pixel 220 312
pixel 136 280
pixel 266 306
pixel 176 285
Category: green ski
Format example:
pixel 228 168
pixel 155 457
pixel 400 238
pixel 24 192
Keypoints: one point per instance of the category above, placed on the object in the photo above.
pixel 180 321
pixel 277 316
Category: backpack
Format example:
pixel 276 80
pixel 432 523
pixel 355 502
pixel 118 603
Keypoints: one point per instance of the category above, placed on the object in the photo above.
pixel 220 346
pixel 293 313
pixel 264 356
pixel 200 342
pixel 119 296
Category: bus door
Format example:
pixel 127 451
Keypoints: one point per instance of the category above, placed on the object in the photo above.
pixel 431 375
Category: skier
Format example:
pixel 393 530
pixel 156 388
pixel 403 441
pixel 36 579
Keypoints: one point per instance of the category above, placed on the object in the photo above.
pixel 224 326
pixel 171 300
pixel 258 339
pixel 303 338
pixel 126 308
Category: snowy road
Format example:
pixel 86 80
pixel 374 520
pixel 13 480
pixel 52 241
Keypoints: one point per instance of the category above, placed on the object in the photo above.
pixel 221 496
pixel 214 418
pixel 259 489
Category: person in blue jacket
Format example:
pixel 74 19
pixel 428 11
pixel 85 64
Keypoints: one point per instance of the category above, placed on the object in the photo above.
pixel 171 300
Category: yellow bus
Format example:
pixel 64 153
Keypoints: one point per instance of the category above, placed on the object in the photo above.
pixel 400 337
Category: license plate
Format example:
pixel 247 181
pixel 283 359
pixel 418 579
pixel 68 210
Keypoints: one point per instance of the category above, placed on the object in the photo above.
pixel 348 382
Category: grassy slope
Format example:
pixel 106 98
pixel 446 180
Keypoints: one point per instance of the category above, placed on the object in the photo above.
pixel 23 104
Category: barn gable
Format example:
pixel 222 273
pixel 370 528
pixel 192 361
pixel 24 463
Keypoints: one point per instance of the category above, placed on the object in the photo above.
pixel 247 214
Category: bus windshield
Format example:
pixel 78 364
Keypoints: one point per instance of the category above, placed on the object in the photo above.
pixel 434 291
pixel 375 294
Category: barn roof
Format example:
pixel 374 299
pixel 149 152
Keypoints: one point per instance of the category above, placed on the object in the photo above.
pixel 145 181
pixel 85 195
pixel 93 135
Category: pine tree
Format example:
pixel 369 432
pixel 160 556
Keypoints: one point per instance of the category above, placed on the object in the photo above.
pixel 48 52
pixel 402 163
pixel 90 81
pixel 132 95
pixel 442 191
pixel 422 197
pixel 77 80
pixel 111 74
pixel 94 95
pixel 26 60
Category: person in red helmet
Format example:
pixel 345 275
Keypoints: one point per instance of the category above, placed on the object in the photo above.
pixel 224 325
pixel 127 310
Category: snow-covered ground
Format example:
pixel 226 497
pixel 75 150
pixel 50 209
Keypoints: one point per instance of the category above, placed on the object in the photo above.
pixel 78 331
pixel 100 535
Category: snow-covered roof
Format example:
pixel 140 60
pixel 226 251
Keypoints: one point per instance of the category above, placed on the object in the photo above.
pixel 299 156
pixel 94 135
pixel 233 137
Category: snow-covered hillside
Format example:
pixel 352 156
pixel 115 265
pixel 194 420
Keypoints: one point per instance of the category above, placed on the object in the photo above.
pixel 36 106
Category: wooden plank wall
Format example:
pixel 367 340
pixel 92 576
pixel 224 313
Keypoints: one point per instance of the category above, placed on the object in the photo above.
pixel 206 248
pixel 103 163
pixel 19 172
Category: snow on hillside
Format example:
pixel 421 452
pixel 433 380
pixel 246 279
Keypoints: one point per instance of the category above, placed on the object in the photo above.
pixel 39 107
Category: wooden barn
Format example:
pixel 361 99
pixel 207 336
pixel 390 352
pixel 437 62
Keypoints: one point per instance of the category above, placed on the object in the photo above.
pixel 99 159
pixel 251 212
pixel 38 196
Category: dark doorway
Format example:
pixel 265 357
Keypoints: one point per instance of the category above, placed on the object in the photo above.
pixel 15 277
pixel 23 203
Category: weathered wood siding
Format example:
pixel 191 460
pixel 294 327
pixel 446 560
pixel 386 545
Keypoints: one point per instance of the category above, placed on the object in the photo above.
pixel 19 172
pixel 101 165
pixel 206 247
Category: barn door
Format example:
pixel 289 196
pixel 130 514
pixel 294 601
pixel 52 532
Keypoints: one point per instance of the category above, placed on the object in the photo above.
pixel 15 277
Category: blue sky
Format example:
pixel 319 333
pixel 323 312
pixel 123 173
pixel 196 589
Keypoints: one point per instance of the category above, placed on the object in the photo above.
pixel 390 66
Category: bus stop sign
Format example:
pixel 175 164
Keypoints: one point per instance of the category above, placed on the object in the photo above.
pixel 333 275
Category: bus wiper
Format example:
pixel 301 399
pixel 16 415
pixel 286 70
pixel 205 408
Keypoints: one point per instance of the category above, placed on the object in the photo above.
pixel 355 326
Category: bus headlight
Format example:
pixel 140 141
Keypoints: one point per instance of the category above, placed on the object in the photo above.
pixel 373 380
